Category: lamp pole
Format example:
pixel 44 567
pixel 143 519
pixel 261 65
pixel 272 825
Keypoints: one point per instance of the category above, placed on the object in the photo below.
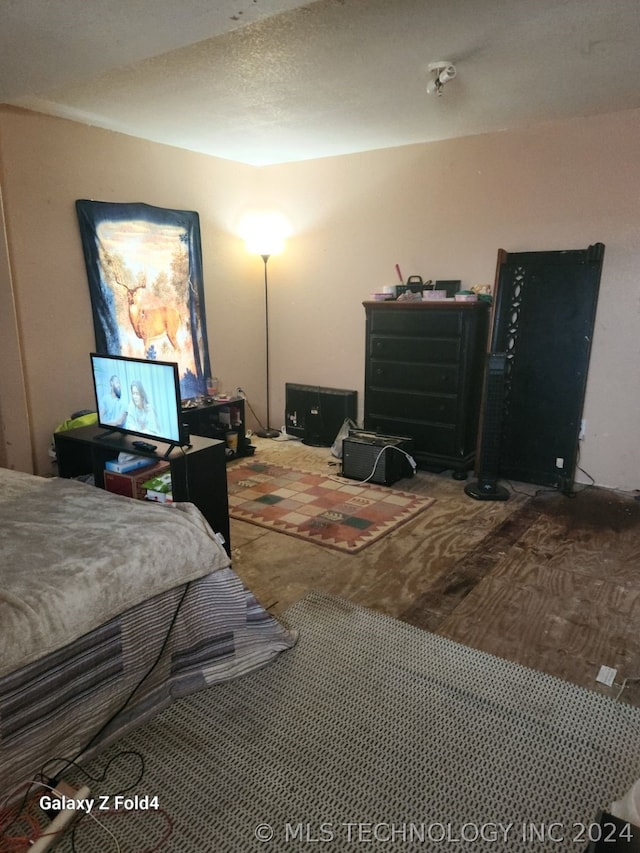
pixel 267 432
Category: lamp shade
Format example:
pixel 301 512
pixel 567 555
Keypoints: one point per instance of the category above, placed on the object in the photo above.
pixel 264 234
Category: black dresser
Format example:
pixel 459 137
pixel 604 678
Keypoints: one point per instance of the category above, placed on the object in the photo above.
pixel 423 377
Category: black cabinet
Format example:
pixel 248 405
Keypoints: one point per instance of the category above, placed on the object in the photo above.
pixel 198 473
pixel 544 317
pixel 220 419
pixel 423 377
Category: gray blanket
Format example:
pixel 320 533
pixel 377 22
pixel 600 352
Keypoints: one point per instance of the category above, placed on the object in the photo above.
pixel 73 556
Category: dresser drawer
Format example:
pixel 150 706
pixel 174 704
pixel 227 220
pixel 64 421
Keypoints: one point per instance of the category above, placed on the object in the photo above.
pixel 414 377
pixel 419 350
pixel 432 408
pixel 417 323
pixel 438 439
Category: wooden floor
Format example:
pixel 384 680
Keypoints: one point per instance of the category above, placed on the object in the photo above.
pixel 541 579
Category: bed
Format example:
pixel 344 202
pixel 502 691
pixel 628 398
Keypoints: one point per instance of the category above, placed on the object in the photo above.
pixel 110 608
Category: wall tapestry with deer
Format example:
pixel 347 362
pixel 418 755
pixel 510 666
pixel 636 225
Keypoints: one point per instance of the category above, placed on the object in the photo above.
pixel 144 266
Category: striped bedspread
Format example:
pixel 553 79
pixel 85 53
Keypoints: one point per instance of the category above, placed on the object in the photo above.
pixel 109 608
pixel 186 639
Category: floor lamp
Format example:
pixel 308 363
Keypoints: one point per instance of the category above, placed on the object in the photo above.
pixel 265 236
pixel 268 432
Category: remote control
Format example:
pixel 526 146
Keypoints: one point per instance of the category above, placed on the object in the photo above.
pixel 144 445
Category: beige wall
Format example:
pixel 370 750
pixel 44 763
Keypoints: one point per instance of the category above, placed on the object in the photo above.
pixel 440 210
pixel 46 165
pixel 14 415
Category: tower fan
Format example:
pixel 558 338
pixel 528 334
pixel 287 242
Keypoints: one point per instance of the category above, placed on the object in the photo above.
pixel 486 487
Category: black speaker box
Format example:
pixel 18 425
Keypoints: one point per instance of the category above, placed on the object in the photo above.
pixel 380 459
pixel 316 414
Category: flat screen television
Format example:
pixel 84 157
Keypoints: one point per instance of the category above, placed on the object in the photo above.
pixel 315 414
pixel 139 397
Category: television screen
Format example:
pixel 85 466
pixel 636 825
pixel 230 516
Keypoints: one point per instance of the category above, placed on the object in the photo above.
pixel 138 396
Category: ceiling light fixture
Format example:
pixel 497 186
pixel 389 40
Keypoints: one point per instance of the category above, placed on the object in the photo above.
pixel 442 72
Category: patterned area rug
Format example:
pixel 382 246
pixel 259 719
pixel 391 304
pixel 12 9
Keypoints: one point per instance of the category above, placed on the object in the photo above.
pixel 368 735
pixel 339 513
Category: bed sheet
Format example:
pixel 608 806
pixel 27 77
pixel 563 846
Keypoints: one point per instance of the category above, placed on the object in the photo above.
pixel 72 557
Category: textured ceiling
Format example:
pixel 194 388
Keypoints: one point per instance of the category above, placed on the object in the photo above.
pixel 267 82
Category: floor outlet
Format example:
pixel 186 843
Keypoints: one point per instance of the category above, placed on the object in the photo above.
pixel 607 675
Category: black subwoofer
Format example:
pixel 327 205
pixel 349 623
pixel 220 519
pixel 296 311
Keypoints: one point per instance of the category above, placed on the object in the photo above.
pixel 381 459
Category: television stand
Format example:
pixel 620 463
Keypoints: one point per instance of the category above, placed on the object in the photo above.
pixel 182 447
pixel 115 432
pixel 198 471
pixel 108 434
pixel 216 418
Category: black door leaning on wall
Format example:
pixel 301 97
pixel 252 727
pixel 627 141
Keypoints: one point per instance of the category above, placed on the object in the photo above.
pixel 544 313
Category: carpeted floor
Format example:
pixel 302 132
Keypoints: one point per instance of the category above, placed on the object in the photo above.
pixel 541 579
pixel 342 514
pixel 371 732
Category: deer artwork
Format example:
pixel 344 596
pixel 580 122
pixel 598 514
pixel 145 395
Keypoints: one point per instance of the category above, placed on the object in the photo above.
pixel 151 323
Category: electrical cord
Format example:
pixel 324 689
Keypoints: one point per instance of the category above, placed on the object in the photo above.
pixel 28 827
pixel 132 692
pixel 625 682
pixel 586 485
pixel 246 399
pixel 586 473
pixel 535 494
pixel 23 842
pixel 103 777
pixel 100 824
pixel 576 491
pixel 410 459
pixel 41 777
